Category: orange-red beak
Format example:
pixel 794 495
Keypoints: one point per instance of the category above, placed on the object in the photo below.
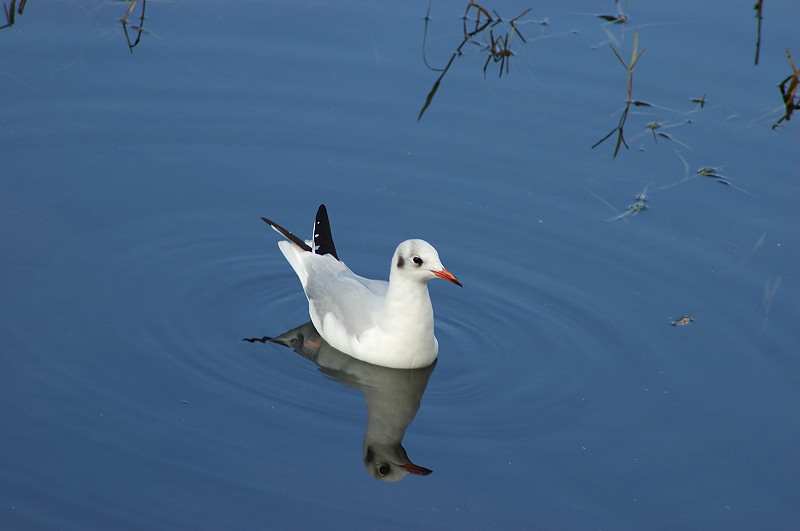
pixel 447 275
pixel 416 469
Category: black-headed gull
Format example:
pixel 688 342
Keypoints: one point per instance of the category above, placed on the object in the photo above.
pixel 384 323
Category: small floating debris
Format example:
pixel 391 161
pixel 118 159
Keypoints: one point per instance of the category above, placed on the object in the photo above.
pixel 619 18
pixel 708 171
pixel 790 101
pixel 714 173
pixel 652 126
pixel 499 52
pixel 701 101
pixel 639 206
pixel 705 171
pixel 686 319
pixel 635 208
pixel 615 19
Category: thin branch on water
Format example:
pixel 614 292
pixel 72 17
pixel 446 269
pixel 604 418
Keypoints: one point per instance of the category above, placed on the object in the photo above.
pixel 13 12
pixel 139 29
pixel 758 7
pixel 498 48
pixel 427 19
pixel 467 38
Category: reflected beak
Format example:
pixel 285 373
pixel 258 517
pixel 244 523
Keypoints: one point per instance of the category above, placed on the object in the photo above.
pixel 447 275
pixel 416 469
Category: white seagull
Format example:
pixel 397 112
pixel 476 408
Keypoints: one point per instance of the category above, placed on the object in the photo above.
pixel 384 323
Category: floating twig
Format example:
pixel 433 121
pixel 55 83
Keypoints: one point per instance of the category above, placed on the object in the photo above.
pixel 498 48
pixel 513 22
pixel 139 29
pixel 13 12
pixel 758 7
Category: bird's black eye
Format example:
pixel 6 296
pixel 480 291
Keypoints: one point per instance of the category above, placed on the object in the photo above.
pixel 418 261
pixel 383 469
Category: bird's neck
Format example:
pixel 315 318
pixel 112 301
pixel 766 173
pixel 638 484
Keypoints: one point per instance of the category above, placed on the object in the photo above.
pixel 408 307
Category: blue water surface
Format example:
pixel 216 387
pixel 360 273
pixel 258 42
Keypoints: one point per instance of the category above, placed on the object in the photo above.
pixel 134 263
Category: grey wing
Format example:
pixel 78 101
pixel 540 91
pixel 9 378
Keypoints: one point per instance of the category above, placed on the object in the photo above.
pixel 335 291
pixel 378 287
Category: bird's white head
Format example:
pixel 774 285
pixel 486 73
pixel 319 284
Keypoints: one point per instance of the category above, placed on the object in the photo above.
pixel 418 260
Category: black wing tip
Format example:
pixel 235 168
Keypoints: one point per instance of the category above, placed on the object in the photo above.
pixel 323 240
pixel 286 234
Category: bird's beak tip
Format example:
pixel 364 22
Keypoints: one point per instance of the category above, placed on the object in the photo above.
pixel 447 275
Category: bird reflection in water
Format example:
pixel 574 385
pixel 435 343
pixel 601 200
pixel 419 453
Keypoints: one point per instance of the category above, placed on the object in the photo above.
pixel 393 398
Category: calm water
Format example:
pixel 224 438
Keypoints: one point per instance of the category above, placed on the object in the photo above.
pixel 134 262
